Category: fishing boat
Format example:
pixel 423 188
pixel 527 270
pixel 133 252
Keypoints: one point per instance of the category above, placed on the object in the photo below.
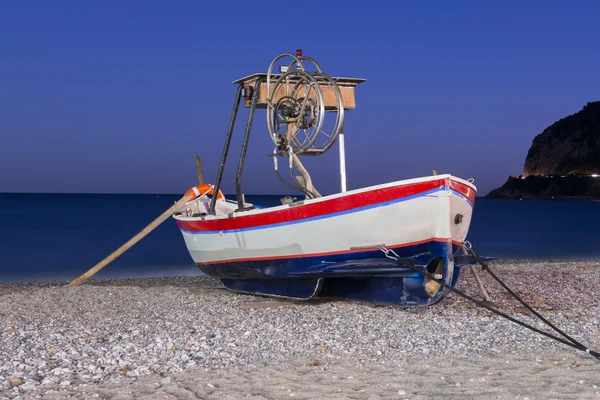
pixel 331 245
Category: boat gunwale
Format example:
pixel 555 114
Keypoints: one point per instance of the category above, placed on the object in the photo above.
pixel 330 197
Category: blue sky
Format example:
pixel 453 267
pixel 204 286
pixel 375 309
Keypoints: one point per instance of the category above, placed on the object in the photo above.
pixel 119 96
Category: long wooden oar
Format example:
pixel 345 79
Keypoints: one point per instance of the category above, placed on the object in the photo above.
pixel 199 170
pixel 187 197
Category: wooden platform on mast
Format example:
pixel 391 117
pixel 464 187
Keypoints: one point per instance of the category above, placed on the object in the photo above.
pixel 346 86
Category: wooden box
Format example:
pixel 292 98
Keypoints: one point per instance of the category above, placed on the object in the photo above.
pixel 346 86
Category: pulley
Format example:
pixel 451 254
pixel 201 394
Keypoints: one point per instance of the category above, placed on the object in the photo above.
pixel 297 103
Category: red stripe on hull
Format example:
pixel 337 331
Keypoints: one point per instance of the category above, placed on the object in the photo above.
pixel 321 208
pixel 463 189
pixel 329 253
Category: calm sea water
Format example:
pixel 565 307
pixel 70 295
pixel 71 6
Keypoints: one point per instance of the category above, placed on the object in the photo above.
pixel 60 236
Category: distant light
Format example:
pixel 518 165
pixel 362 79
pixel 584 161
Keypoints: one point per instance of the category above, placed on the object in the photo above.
pixel 594 175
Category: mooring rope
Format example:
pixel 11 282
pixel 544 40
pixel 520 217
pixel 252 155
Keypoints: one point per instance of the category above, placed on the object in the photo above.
pixel 410 264
pixel 485 267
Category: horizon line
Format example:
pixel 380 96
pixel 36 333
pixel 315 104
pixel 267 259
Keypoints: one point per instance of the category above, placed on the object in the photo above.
pixel 160 194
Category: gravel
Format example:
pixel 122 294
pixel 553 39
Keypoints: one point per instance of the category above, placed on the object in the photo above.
pixel 54 337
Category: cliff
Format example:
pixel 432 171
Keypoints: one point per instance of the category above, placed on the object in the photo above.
pixel 569 146
pixel 563 160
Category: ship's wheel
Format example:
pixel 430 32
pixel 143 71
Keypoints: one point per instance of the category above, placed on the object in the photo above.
pixel 298 101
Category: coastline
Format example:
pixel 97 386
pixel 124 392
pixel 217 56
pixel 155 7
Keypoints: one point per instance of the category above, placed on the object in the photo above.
pixel 186 337
pixel 570 186
pixel 529 197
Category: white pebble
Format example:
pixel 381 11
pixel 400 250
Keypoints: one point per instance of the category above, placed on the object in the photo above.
pixel 27 386
pixel 111 339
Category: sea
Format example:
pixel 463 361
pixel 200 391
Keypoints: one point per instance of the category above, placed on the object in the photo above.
pixel 60 236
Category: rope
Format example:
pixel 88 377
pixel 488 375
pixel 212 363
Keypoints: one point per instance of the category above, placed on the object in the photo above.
pixel 279 175
pixel 486 267
pixel 297 186
pixel 304 189
pixel 408 263
pixel 212 187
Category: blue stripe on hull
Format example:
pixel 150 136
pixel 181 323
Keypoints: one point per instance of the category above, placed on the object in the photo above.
pixel 363 276
pixel 426 193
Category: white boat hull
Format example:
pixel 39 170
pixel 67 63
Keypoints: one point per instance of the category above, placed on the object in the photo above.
pixel 428 215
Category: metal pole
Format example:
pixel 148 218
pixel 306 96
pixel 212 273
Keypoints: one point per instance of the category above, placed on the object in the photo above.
pixel 342 160
pixel 483 291
pixel 234 112
pixel 238 178
pixel 479 283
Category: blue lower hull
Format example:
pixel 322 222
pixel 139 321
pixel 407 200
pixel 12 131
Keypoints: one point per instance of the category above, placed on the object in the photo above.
pixel 362 276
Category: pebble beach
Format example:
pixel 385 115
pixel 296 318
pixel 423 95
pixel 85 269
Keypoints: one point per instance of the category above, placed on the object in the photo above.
pixel 189 338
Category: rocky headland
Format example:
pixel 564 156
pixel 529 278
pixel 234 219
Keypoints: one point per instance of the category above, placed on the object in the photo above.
pixel 562 162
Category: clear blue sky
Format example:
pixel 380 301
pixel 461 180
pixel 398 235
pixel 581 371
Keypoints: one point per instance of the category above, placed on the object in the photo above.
pixel 119 96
